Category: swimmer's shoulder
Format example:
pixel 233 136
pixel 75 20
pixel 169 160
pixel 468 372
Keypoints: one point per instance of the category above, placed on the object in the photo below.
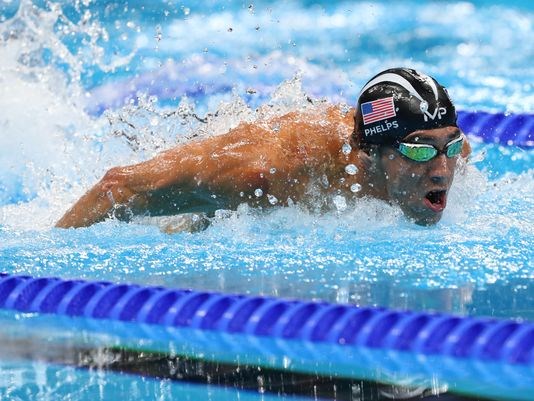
pixel 324 123
pixel 342 114
pixel 324 119
pixel 325 113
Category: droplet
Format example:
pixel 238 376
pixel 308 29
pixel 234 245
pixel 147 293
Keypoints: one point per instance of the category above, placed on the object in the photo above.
pixel 324 181
pixel 230 29
pixel 391 157
pixel 340 202
pixel 355 188
pixel 158 35
pixel 286 362
pixel 423 106
pixel 272 199
pixel 346 149
pixel 258 192
pixel 241 194
pixel 272 170
pixel 187 11
pixel 351 169
pixel 345 108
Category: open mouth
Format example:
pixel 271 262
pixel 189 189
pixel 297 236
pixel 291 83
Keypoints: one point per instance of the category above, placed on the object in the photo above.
pixel 436 200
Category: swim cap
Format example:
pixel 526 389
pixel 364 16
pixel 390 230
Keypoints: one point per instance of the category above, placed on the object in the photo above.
pixel 399 101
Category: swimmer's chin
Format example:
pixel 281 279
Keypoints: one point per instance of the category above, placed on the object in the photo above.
pixel 423 219
pixel 426 222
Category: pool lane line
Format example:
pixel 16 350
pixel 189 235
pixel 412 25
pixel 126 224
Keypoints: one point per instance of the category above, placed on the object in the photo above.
pixel 507 129
pixel 485 339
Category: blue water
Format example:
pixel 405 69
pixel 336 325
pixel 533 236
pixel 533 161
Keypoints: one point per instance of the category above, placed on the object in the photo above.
pixel 78 79
pixel 38 380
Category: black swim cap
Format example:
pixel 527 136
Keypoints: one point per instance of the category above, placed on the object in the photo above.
pixel 399 101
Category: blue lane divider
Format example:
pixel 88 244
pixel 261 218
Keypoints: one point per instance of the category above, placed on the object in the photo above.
pixel 506 341
pixel 504 129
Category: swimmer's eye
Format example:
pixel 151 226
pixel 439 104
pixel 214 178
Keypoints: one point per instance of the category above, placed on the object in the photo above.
pixel 425 152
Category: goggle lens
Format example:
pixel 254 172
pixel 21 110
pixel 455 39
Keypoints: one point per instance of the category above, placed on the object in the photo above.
pixel 423 152
pixel 455 147
pixel 417 152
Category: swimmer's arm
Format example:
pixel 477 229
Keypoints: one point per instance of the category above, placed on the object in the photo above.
pixel 96 204
pixel 200 164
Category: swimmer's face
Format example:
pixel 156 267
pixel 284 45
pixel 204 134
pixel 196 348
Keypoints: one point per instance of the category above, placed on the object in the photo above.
pixel 420 188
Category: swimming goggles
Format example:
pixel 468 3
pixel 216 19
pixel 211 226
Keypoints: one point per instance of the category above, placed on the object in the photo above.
pixel 421 152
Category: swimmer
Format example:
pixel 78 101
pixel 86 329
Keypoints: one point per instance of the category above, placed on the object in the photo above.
pixel 401 144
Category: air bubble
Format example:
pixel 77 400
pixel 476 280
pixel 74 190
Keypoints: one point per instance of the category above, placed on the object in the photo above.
pixel 346 149
pixel 258 192
pixel 351 169
pixel 355 188
pixel 272 170
pixel 273 200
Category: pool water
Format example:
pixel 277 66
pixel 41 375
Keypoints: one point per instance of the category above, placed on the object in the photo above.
pixel 89 85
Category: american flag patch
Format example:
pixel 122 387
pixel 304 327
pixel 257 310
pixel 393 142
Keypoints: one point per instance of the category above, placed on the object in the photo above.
pixel 378 110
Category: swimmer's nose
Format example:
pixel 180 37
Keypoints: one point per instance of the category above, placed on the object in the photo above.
pixel 440 171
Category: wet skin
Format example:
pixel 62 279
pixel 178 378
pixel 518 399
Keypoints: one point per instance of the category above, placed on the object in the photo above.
pixel 419 188
pixel 296 158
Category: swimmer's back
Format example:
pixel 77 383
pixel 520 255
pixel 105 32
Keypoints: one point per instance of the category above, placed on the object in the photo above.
pixel 304 138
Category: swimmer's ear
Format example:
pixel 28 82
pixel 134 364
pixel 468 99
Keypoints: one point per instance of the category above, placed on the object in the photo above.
pixel 366 159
